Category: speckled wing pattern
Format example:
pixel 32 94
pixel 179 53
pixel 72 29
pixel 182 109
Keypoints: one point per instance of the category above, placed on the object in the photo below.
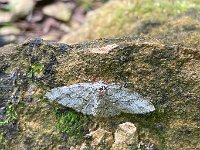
pixel 100 99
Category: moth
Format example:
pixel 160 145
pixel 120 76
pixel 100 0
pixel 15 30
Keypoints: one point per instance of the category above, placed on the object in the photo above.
pixel 100 99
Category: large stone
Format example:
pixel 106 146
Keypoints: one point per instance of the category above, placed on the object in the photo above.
pixel 153 69
pixel 18 9
pixel 120 17
pixel 58 10
pixel 5 16
pixel 125 136
pixel 21 8
pixel 107 21
pixel 101 138
pixel 9 30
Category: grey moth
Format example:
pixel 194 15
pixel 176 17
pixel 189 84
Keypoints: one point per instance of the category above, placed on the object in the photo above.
pixel 100 99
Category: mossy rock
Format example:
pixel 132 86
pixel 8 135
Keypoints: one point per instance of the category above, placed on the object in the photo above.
pixel 121 17
pixel 166 74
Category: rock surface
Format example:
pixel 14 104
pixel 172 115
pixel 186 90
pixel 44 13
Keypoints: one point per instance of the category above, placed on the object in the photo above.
pixel 121 17
pixel 164 70
pixel 125 137
pixel 101 138
pixel 60 11
pixel 161 72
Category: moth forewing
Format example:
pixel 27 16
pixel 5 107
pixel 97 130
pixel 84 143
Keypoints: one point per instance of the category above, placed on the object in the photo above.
pixel 100 99
pixel 136 104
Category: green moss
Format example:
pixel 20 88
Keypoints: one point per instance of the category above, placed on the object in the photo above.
pixel 7 126
pixel 71 123
pixel 36 69
pixel 3 141
pixel 164 6
pixel 11 113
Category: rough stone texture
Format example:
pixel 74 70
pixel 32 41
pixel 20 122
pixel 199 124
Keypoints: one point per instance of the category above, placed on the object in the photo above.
pixel 122 17
pixel 184 28
pixel 165 71
pixel 101 138
pixel 125 137
pixel 157 71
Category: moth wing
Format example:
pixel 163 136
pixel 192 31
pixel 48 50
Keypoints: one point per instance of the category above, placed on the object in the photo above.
pixel 134 103
pixel 98 104
pixel 76 96
pixel 61 92
pixel 129 102
pixel 57 93
pixel 91 107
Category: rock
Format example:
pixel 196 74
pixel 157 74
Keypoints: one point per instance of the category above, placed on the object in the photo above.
pixel 150 67
pixel 12 30
pixel 18 9
pixel 22 8
pixel 51 36
pixel 84 146
pixel 103 22
pixel 6 39
pixel 5 17
pixel 183 29
pixel 58 10
pixel 100 138
pixel 125 137
pixel 120 17
pixel 76 147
